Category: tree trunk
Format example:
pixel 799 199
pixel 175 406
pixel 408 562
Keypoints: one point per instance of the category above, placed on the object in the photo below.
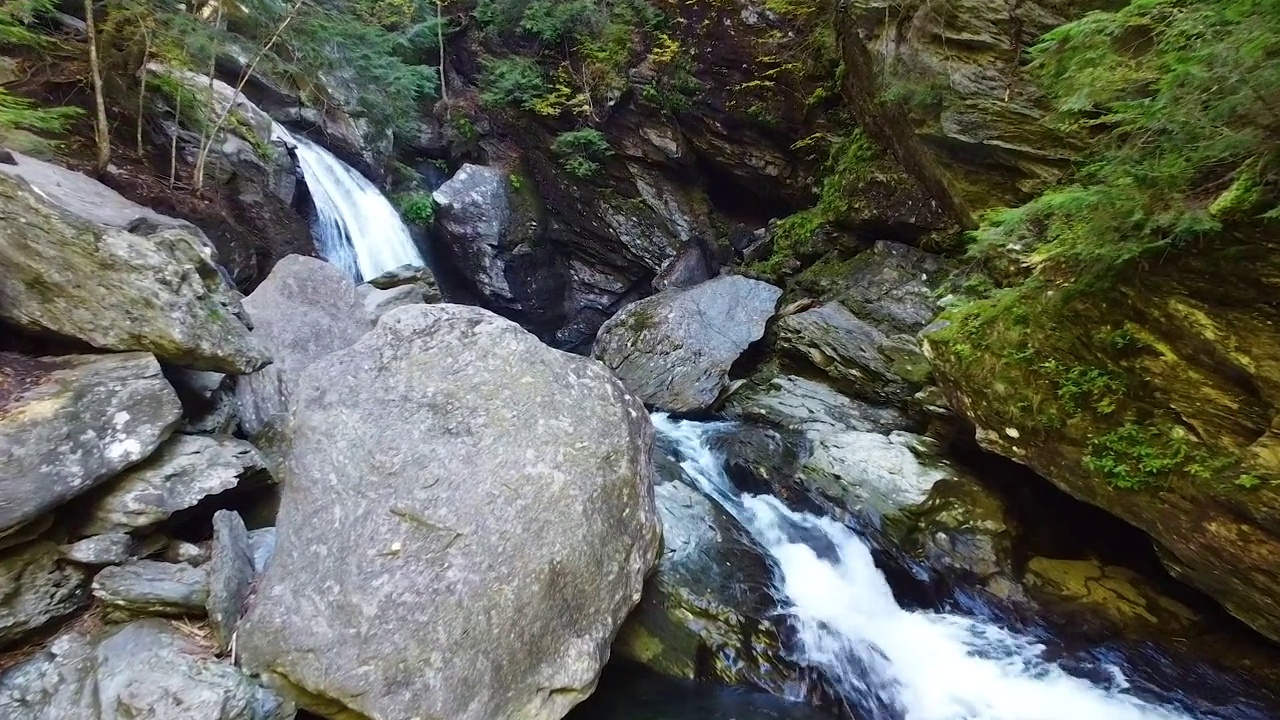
pixel 444 91
pixel 102 131
pixel 885 122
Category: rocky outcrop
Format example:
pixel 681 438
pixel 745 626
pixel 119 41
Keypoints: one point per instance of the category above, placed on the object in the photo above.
pixel 431 521
pixel 809 405
pixel 304 310
pixel 70 423
pixel 154 289
pixel 492 233
pixel 185 471
pixel 704 614
pixel 146 669
pixel 675 349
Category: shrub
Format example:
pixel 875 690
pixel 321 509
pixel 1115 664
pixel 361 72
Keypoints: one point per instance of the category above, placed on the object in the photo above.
pixel 417 208
pixel 511 81
pixel 581 150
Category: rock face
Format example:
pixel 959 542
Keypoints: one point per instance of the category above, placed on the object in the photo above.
pixel 304 310
pixel 183 472
pixel 154 290
pixel 674 350
pixel 39 587
pixel 74 422
pixel 444 551
pixel 807 405
pixel 147 587
pixel 492 235
pixel 147 670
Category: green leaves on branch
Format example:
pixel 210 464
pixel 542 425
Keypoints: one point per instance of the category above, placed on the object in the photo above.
pixel 581 150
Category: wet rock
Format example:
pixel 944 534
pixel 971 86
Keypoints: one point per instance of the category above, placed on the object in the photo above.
pixel 872 474
pixel 1094 593
pixel 72 423
pixel 964 531
pixel 537 560
pixel 38 588
pixel 674 349
pixel 147 670
pixel 709 598
pixel 154 290
pixel 181 474
pixel 804 404
pixel 855 353
pixel 99 550
pixel 262 545
pixel 304 310
pixel 492 235
pixel 230 572
pixel 149 587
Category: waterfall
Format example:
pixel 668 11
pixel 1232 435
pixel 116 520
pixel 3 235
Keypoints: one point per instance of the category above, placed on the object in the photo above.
pixel 886 662
pixel 356 228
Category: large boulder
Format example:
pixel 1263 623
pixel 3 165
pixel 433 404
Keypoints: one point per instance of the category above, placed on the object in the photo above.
pixel 39 587
pixel 467 519
pixel 70 423
pixel 182 473
pixel 154 289
pixel 808 405
pixel 148 670
pixel 491 233
pixel 674 350
pixel 304 310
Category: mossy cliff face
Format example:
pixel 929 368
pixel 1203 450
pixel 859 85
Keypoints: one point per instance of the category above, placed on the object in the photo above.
pixel 1155 400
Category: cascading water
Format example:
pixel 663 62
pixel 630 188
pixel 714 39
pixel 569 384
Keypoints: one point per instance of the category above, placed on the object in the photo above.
pixel 886 662
pixel 356 227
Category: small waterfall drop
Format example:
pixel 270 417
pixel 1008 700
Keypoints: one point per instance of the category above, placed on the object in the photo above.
pixel 356 227
pixel 886 662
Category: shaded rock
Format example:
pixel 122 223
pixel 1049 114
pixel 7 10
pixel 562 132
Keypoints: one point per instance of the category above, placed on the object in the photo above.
pixel 409 275
pixel 304 310
pixel 157 291
pixel 1115 596
pixel 709 598
pixel 443 552
pixel 262 545
pixel 492 235
pixel 892 286
pixel 694 263
pixel 855 353
pixel 108 549
pixel 964 531
pixel 146 670
pixel 674 349
pixel 230 572
pixel 70 423
pixel 209 404
pixel 179 551
pixel 379 302
pixel 148 587
pixel 803 404
pixel 37 587
pixel 182 473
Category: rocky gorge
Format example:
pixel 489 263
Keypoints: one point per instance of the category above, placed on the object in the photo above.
pixel 773 359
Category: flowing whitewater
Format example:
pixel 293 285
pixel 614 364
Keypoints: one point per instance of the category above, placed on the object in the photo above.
pixel 886 662
pixel 356 227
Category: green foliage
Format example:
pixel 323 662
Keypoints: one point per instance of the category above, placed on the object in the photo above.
pixel 19 113
pixel 580 151
pixel 417 208
pixel 1141 454
pixel 16 17
pixel 511 81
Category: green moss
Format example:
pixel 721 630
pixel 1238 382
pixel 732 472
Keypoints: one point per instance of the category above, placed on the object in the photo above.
pixel 417 208
pixel 1141 454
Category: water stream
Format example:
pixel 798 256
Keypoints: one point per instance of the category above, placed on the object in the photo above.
pixel 356 227
pixel 884 661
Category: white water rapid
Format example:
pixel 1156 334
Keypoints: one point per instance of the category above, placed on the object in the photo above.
pixel 886 662
pixel 356 228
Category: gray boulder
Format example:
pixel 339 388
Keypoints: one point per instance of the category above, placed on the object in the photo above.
pixel 467 518
pixel 421 277
pixel 855 353
pixel 146 670
pixel 182 473
pixel 492 234
pixel 37 587
pixel 674 349
pixel 803 404
pixel 149 587
pixel 304 310
pixel 70 423
pixel 380 302
pixel 892 286
pixel 230 572
pixel 155 290
pixel 109 549
pixel 262 545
